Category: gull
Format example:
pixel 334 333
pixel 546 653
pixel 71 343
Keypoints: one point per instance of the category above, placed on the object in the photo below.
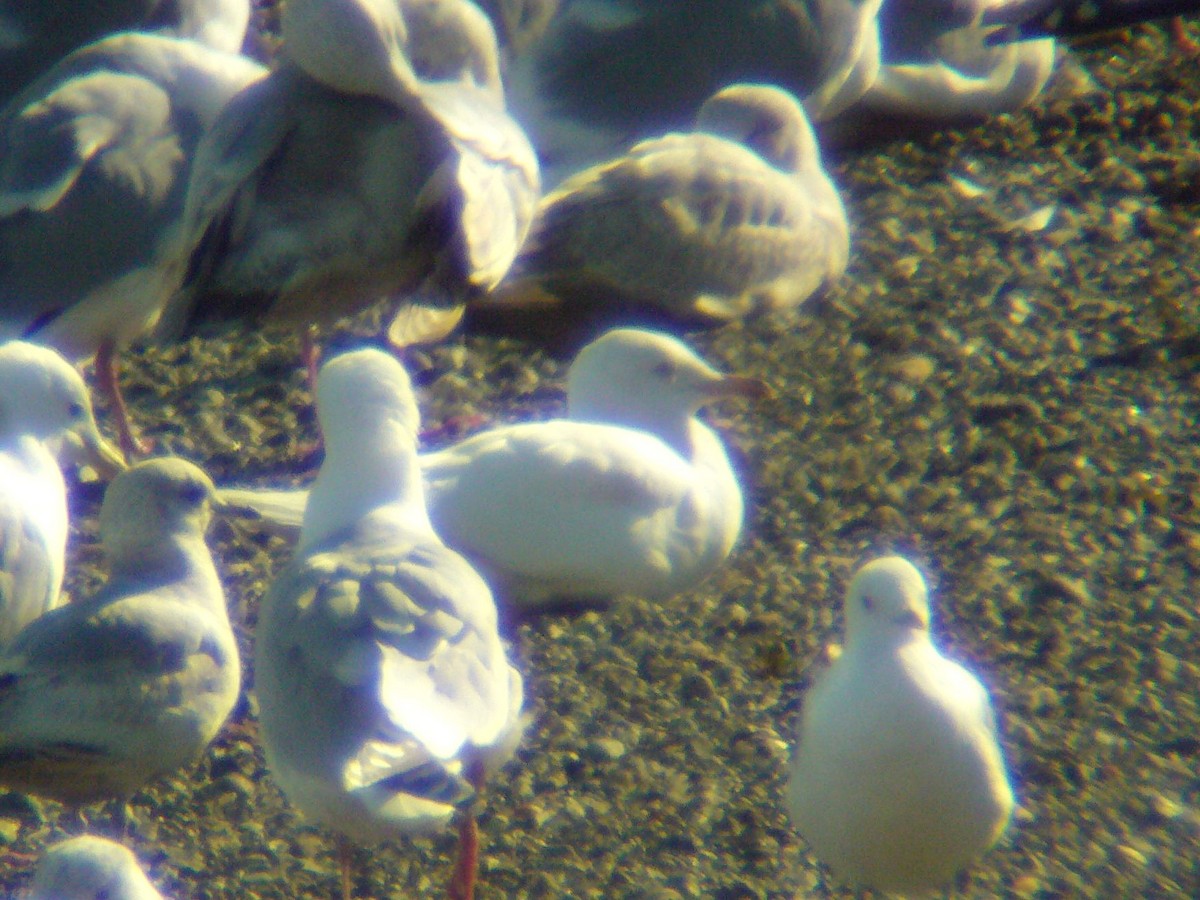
pixel 90 868
pixel 630 494
pixel 1025 19
pixel 383 687
pixel 376 159
pixel 734 218
pixel 43 403
pixel 610 73
pixel 898 779
pixel 94 158
pixel 35 36
pixel 104 694
pixel 519 23
pixel 936 65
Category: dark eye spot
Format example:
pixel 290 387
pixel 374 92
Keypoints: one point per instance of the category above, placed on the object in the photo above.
pixel 868 602
pixel 193 493
pixel 75 410
pixel 664 370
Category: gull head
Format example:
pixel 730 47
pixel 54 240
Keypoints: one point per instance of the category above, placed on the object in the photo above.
pixel 87 867
pixel 369 420
pixel 154 505
pixel 449 40
pixel 392 49
pixel 887 598
pixel 647 380
pixel 43 396
pixel 365 393
pixel 766 119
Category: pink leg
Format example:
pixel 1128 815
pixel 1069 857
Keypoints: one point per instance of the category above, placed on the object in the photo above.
pixel 345 860
pixel 310 356
pixel 466 867
pixel 106 377
pixel 1180 38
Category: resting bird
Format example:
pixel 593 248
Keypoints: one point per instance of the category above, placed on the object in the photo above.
pixel 94 158
pixel 631 493
pixel 90 868
pixel 382 684
pixel 43 402
pixel 897 780
pixel 35 36
pixel 736 217
pixel 936 67
pixel 104 694
pixel 362 167
pixel 608 73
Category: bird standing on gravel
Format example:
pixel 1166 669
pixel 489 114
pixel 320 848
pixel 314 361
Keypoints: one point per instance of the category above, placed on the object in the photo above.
pixel 94 162
pixel 377 158
pixel 43 402
pixel 383 687
pixel 898 779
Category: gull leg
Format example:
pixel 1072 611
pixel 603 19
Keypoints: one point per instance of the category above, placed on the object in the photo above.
pixel 345 861
pixel 106 377
pixel 1181 39
pixel 466 867
pixel 310 356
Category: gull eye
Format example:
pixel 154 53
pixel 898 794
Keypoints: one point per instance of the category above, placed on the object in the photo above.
pixel 75 410
pixel 193 493
pixel 868 602
pixel 664 370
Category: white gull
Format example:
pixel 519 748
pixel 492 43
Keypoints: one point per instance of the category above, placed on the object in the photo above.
pixel 898 779
pixel 382 683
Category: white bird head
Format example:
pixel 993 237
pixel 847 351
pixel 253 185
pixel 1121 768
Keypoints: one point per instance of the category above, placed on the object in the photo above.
pixel 648 380
pixel 365 392
pixel 88 867
pixel 369 420
pixel 391 49
pixel 766 119
pixel 887 599
pixel 154 507
pixel 43 396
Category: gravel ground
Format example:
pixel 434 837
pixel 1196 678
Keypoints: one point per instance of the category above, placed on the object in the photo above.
pixel 1012 406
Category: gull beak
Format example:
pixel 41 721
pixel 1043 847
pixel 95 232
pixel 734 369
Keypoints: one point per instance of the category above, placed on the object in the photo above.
pixel 739 386
pixel 99 453
pixel 233 510
pixel 910 618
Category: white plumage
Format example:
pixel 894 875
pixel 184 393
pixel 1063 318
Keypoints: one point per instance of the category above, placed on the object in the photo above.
pixel 43 401
pixel 380 671
pixel 90 868
pixel 631 493
pixel 898 779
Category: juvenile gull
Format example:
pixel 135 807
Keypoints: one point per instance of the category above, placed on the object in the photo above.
pixel 383 687
pixel 101 695
pixel 898 779
pixel 631 493
pixel 43 401
pixel 735 217
pixel 90 868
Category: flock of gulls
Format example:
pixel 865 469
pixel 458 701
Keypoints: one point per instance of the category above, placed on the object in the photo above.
pixel 155 179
